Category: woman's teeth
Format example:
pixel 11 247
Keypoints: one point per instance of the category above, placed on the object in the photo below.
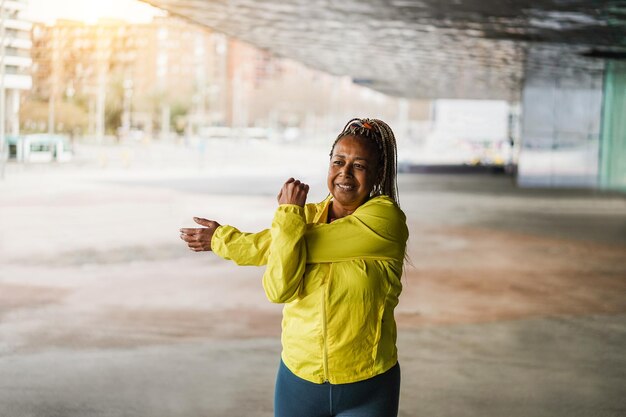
pixel 346 187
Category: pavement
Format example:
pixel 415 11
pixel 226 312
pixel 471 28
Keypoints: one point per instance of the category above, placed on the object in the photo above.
pixel 513 300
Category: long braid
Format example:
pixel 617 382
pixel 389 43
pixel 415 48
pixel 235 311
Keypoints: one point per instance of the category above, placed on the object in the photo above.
pixel 383 137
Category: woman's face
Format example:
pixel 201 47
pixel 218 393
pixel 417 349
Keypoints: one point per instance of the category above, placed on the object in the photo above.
pixel 353 172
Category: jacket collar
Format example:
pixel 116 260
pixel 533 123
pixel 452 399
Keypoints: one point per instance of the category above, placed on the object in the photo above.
pixel 322 214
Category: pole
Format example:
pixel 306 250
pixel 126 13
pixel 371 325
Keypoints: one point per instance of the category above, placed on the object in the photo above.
pixel 101 99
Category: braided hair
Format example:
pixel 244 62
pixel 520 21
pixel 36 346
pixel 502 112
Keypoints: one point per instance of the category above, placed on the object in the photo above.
pixel 382 136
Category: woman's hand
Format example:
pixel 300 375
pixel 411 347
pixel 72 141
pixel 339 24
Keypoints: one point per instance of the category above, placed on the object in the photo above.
pixel 293 192
pixel 199 239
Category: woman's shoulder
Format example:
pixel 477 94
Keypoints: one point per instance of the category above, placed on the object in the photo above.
pixel 383 214
pixel 382 204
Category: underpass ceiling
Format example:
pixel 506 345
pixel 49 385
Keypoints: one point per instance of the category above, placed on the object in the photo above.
pixel 426 48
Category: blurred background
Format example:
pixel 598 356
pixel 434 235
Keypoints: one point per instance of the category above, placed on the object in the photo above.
pixel 121 120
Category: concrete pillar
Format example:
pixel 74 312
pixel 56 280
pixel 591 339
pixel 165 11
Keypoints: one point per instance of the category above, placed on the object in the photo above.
pixel 613 148
pixel 401 128
pixel 560 121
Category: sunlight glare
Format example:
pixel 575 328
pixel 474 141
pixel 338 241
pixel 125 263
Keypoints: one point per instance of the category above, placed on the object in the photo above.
pixel 90 11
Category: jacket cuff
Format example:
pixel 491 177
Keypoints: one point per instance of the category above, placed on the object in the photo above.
pixel 218 245
pixel 291 208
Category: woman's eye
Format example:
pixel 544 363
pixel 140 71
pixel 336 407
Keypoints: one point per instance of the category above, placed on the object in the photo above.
pixel 336 162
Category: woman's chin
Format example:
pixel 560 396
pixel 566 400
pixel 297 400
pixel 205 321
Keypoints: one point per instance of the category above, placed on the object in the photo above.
pixel 342 196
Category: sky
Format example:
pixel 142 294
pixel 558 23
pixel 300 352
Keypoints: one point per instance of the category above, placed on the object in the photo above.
pixel 89 11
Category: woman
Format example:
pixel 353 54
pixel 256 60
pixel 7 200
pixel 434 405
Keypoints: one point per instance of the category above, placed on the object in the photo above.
pixel 336 265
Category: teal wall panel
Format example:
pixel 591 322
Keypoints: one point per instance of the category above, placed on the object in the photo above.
pixel 613 143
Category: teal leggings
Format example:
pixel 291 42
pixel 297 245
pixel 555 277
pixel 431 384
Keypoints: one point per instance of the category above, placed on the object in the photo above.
pixel 374 397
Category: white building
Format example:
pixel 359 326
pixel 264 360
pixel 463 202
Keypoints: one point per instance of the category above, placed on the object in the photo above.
pixel 15 62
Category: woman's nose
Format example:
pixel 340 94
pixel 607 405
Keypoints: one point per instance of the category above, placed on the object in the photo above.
pixel 346 170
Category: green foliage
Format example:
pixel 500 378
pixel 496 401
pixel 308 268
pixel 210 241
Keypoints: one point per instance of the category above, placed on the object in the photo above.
pixel 178 116
pixel 69 117
pixel 114 106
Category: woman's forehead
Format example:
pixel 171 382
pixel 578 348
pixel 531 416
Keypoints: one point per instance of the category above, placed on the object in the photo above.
pixel 352 145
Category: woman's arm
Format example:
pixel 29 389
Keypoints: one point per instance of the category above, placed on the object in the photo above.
pixel 231 244
pixel 375 231
pixel 227 242
pixel 240 247
pixel 287 254
pixel 286 261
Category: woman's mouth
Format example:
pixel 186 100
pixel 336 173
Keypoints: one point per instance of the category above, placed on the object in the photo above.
pixel 345 187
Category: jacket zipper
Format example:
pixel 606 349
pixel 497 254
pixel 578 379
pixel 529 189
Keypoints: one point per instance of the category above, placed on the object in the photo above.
pixel 324 327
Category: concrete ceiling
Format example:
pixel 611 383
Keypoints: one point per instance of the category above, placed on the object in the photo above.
pixel 422 48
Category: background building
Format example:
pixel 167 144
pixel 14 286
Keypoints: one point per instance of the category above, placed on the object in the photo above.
pixel 16 62
pixel 114 77
pixel 167 77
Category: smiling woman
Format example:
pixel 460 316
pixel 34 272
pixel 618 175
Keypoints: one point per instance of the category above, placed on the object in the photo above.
pixel 367 150
pixel 90 11
pixel 357 158
pixel 336 266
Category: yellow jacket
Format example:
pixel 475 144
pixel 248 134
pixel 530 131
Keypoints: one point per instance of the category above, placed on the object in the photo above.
pixel 340 283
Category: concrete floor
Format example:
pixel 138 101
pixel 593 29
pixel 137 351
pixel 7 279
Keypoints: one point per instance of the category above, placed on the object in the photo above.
pixel 513 305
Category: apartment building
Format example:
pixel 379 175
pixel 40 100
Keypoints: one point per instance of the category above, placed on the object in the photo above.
pixel 15 64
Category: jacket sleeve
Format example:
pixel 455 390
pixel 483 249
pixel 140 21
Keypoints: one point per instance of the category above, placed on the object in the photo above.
pixel 375 232
pixel 286 261
pixel 240 247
